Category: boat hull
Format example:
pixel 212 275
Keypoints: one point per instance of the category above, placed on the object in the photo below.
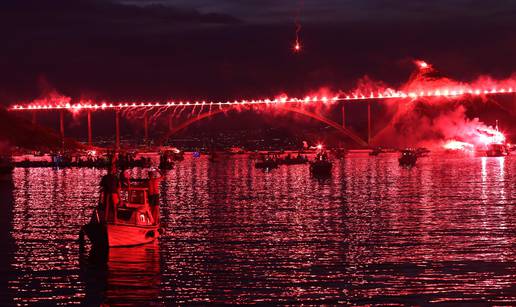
pixel 128 235
pixel 119 235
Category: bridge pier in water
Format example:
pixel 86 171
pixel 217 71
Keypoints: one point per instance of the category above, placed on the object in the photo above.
pixel 61 128
pixel 89 129
pixel 117 129
pixel 369 123
pixel 343 116
pixel 146 128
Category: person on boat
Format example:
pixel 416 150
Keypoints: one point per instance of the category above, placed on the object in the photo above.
pixel 125 178
pixel 154 181
pixel 110 188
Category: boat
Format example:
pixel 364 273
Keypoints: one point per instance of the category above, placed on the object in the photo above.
pixel 178 155
pixel 267 163
pixel 497 150
pixel 288 160
pixel 321 165
pixel 408 157
pixel 165 161
pixel 236 151
pixel 376 151
pixel 132 224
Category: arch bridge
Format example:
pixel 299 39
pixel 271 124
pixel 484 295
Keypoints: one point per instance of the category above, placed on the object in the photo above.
pixel 153 111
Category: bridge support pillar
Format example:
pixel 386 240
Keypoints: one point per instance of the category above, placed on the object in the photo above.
pixel 146 128
pixel 90 143
pixel 369 123
pixel 61 128
pixel 343 116
pixel 117 129
pixel 34 118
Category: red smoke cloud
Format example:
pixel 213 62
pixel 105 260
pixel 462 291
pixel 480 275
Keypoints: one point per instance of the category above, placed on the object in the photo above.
pixel 436 120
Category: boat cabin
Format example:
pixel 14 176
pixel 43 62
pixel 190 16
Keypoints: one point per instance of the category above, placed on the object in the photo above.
pixel 133 208
pixel 132 221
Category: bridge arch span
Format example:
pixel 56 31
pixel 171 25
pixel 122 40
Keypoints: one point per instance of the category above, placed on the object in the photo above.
pixel 350 134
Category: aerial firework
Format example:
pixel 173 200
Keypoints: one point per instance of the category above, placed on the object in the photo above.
pixel 297 21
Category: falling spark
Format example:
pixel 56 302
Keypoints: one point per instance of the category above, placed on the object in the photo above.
pixel 297 44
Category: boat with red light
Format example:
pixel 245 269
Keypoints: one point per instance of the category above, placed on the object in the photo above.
pixel 131 221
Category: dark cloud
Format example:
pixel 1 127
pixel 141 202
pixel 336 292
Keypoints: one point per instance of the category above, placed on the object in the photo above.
pixel 101 12
pixel 271 11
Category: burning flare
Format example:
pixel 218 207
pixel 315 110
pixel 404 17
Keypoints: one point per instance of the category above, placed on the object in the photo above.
pixel 458 145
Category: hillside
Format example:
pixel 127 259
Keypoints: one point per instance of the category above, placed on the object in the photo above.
pixel 16 131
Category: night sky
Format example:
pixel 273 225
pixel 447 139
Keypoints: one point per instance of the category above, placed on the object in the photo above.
pixel 230 49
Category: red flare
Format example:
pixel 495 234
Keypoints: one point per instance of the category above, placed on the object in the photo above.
pixel 297 47
pixel 423 65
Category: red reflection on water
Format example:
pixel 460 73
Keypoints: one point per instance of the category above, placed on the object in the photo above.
pixel 373 232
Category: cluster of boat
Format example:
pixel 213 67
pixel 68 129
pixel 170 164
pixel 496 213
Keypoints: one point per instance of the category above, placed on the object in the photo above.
pixel 270 161
pixel 92 159
pixel 321 165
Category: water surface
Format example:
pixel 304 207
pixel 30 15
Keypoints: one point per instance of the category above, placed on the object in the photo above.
pixel 442 232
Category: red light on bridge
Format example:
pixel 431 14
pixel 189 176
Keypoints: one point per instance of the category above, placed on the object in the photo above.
pixel 451 91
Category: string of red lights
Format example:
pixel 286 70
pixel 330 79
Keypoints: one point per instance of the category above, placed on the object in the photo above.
pixel 50 104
